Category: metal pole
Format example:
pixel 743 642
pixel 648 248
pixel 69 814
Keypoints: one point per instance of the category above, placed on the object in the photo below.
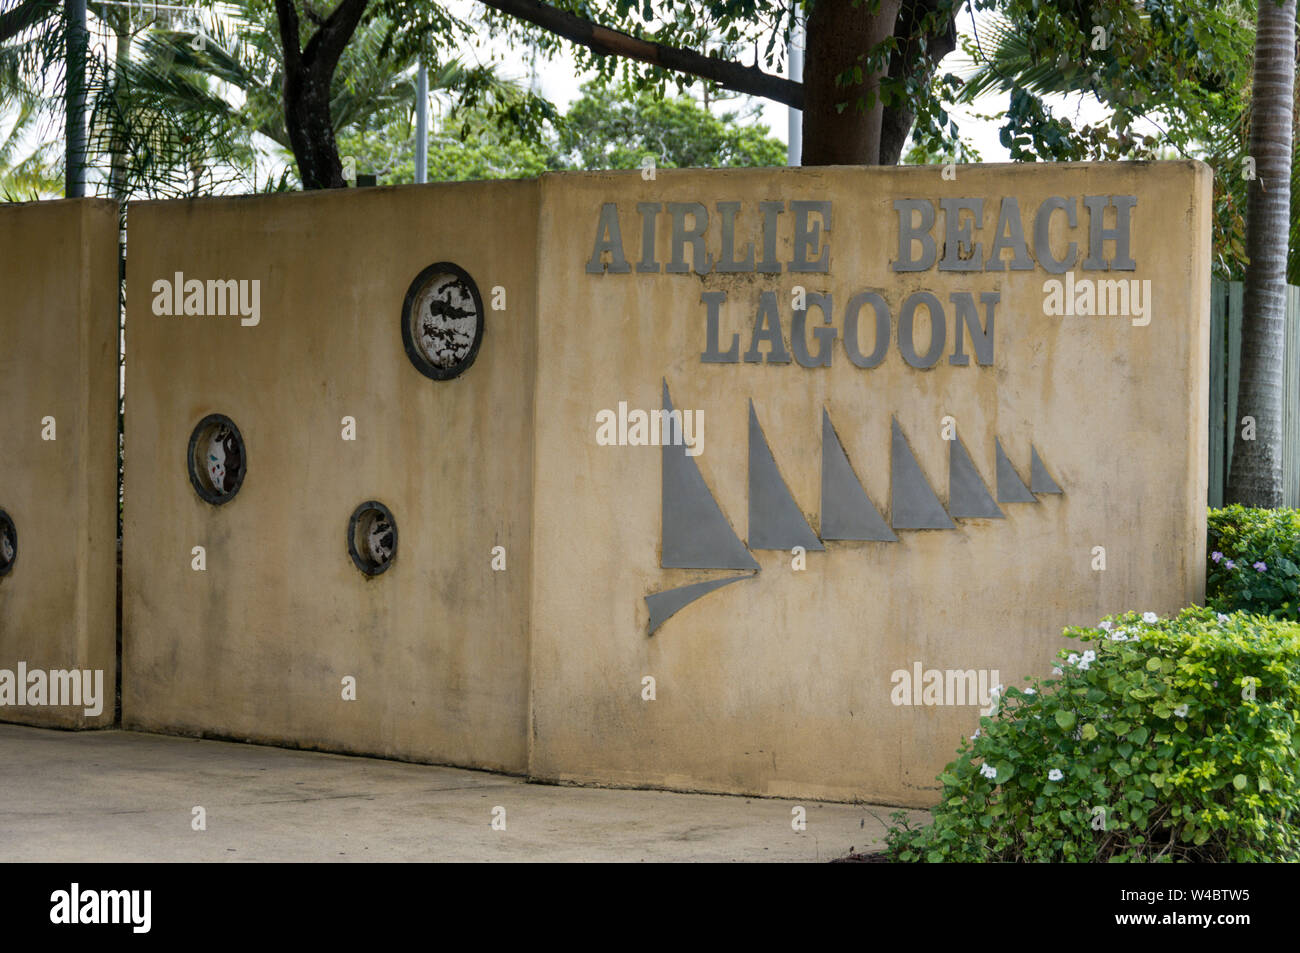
pixel 422 126
pixel 75 99
pixel 794 133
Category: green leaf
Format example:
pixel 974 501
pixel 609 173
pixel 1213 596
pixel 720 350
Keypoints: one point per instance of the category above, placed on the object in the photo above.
pixel 1088 732
pixel 1065 719
pixel 1239 782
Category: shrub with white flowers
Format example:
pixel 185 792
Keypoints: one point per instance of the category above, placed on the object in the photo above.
pixel 1185 733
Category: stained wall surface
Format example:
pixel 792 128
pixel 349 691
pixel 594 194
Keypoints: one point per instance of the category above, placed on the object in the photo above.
pixel 58 468
pixel 260 641
pixel 784 682
pixel 581 660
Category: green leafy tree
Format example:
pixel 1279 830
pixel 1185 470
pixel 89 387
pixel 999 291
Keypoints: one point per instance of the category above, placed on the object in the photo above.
pixel 602 130
pixel 605 131
pixel 470 143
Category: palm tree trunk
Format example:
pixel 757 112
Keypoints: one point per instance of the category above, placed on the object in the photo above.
pixel 1255 478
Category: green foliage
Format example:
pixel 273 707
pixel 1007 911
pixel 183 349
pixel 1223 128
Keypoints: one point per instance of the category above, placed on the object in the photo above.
pixel 484 157
pixel 30 158
pixel 1165 740
pixel 27 173
pixel 1174 79
pixel 600 131
pixel 486 151
pixel 1254 561
pixel 605 130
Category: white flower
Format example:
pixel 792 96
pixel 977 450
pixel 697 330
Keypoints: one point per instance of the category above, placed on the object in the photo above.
pixel 1090 656
pixel 1106 624
pixel 1118 636
pixel 1072 658
pixel 976 735
pixel 1056 670
pixel 988 771
pixel 1084 666
pixel 1222 617
pixel 1055 774
pixel 1030 691
pixel 996 690
pixel 1150 618
pixel 1181 711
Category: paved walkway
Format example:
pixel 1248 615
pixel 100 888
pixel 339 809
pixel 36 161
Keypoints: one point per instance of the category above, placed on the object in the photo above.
pixel 127 796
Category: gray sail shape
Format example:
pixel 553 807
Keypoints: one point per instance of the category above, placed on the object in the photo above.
pixel 664 604
pixel 913 504
pixel 968 496
pixel 1011 489
pixel 847 511
pixel 775 521
pixel 1040 481
pixel 695 533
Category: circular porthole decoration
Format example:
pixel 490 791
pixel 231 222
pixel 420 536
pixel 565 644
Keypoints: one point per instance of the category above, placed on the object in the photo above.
pixel 8 543
pixel 372 537
pixel 442 321
pixel 217 459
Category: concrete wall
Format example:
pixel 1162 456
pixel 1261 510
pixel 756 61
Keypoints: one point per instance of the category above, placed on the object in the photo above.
pixel 780 684
pixel 58 358
pixel 258 643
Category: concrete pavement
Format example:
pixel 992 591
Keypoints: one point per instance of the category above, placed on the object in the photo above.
pixel 129 796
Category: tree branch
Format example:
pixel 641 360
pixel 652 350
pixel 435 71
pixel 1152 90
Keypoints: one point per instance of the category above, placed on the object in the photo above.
pixel 327 43
pixel 604 41
pixel 26 14
pixel 287 14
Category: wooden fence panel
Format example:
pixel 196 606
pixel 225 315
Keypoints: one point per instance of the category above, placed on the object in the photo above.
pixel 1225 376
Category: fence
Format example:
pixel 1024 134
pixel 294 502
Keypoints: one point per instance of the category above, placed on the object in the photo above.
pixel 1225 373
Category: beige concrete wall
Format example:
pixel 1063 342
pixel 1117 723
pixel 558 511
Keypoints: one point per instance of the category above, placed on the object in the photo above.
pixel 58 358
pixel 256 646
pixel 781 684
